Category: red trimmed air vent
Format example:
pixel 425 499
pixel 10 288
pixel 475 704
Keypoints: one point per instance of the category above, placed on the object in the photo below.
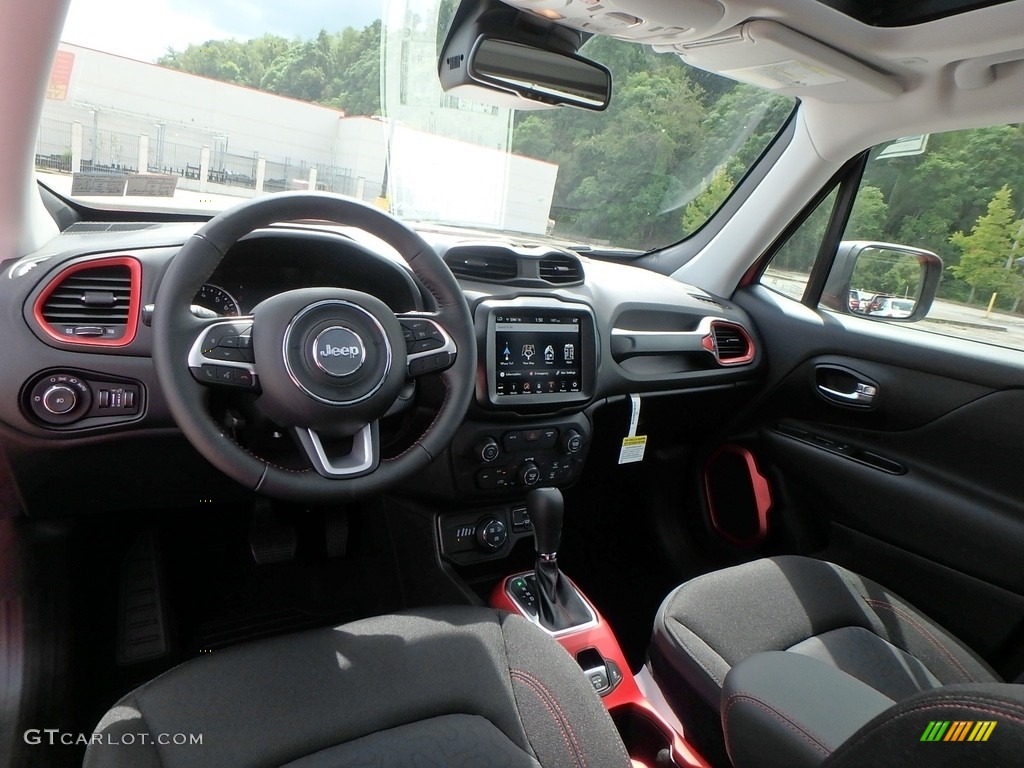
pixel 732 343
pixel 94 302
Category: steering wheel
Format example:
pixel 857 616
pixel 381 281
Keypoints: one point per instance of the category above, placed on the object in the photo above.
pixel 327 363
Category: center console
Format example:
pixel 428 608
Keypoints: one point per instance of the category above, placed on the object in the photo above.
pixel 547 598
pixel 538 371
pixel 650 732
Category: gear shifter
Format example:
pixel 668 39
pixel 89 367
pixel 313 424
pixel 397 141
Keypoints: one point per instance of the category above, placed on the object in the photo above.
pixel 559 605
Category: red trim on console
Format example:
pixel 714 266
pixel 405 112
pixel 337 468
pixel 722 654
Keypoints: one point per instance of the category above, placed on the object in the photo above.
pixel 760 487
pixel 626 695
pixel 131 325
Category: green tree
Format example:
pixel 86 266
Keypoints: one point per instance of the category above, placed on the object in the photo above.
pixel 882 271
pixel 867 219
pixel 986 261
pixel 303 71
pixel 341 70
pixel 707 202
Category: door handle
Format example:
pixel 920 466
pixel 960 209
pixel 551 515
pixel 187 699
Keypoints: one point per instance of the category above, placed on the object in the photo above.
pixel 862 394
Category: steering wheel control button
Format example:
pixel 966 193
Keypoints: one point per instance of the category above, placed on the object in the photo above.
pixel 425 345
pixel 430 363
pixel 338 351
pixel 422 338
pixel 232 343
pixel 419 330
pixel 226 375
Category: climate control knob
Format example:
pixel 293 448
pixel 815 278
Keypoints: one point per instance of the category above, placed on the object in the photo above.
pixel 529 474
pixel 572 441
pixel 486 450
pixel 60 399
pixel 491 534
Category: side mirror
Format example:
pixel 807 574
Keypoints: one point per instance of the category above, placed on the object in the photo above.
pixel 882 281
pixel 499 55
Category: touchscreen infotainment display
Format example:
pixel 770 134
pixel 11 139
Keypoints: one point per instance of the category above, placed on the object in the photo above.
pixel 537 353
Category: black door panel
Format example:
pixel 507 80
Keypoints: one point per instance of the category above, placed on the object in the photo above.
pixel 905 398
pixel 931 513
pixel 919 486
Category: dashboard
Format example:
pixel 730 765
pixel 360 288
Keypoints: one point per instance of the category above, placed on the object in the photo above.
pixel 558 335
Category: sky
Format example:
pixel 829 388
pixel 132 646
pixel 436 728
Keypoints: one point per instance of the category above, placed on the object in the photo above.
pixel 145 30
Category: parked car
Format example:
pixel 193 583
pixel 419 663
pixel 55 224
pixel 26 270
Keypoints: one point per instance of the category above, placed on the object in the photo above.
pixel 575 344
pixel 892 307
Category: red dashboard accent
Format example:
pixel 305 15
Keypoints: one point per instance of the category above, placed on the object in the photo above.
pixel 135 270
pixel 743 359
pixel 627 697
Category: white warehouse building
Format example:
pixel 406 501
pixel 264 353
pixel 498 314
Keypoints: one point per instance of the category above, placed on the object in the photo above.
pixel 105 113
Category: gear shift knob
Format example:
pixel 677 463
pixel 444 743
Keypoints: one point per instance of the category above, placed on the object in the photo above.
pixel 545 508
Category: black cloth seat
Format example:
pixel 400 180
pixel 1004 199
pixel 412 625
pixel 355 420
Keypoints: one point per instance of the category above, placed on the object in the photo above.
pixel 455 686
pixel 788 710
pixel 800 605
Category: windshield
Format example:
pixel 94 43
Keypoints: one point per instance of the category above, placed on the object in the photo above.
pixel 199 105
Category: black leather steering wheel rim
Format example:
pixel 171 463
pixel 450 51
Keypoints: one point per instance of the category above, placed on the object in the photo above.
pixel 175 329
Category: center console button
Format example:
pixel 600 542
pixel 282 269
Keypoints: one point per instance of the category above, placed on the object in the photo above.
pixel 521 519
pixel 512 441
pixel 529 474
pixel 572 441
pixel 491 534
pixel 487 450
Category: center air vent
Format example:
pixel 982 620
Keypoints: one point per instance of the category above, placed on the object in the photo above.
pixel 733 345
pixel 561 269
pixel 92 302
pixel 489 265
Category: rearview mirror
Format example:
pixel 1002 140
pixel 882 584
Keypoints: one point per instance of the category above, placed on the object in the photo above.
pixel 882 281
pixel 549 77
pixel 499 55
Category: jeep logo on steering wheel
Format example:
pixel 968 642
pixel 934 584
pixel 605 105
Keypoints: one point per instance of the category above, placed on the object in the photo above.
pixel 338 351
pixel 329 351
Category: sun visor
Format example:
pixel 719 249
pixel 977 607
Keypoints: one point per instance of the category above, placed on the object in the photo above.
pixel 769 55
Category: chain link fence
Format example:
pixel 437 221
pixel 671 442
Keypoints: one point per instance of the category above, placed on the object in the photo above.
pixel 107 152
pixel 53 145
